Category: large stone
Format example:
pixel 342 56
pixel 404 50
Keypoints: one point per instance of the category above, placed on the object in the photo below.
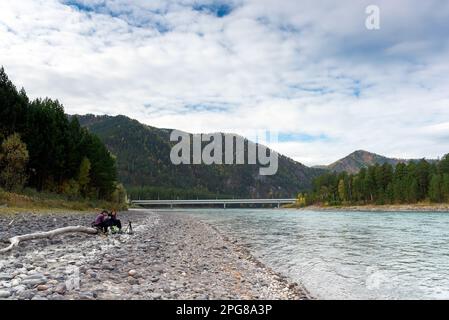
pixel 18 289
pixel 61 289
pixel 5 276
pixel 5 294
pixel 86 296
pixel 34 275
pixel 24 295
pixel 15 282
pixel 157 268
pixel 34 281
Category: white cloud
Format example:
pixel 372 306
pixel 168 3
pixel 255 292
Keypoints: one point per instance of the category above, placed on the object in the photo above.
pixel 295 67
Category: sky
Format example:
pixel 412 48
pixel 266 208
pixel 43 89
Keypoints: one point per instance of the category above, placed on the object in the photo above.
pixel 310 71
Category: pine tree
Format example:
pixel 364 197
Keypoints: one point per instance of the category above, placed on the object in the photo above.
pixel 56 145
pixel 443 165
pixel 370 184
pixel 84 176
pixel 445 187
pixel 389 193
pixel 400 183
pixel 13 107
pixel 422 173
pixel 342 193
pixel 435 194
pixel 412 190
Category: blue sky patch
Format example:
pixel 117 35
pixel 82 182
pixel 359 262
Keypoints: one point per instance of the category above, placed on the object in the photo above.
pixel 206 107
pixel 82 6
pixel 219 9
pixel 302 137
pixel 145 21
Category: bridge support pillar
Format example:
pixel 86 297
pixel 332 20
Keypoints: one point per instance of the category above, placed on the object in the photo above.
pixel 224 205
pixel 279 205
pixel 171 205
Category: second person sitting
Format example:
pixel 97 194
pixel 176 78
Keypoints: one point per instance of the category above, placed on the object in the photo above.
pixel 114 221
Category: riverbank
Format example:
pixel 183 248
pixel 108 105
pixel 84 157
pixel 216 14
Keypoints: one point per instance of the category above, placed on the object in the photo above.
pixel 33 201
pixel 169 256
pixel 383 208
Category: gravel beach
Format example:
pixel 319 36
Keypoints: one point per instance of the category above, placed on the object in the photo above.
pixel 169 256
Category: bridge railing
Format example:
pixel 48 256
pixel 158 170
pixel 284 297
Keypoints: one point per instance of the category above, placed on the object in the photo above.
pixel 223 202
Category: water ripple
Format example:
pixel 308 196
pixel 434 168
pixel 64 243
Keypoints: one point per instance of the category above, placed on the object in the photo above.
pixel 348 255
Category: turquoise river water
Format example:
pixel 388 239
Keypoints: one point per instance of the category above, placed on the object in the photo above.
pixel 346 255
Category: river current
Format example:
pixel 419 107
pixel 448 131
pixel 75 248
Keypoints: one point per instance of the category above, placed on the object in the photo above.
pixel 346 255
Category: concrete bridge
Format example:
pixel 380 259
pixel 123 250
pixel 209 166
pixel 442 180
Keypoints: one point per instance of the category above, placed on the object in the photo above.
pixel 222 202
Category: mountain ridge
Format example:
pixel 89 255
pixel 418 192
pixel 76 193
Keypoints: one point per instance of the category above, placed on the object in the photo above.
pixel 143 151
pixel 359 159
pixel 143 159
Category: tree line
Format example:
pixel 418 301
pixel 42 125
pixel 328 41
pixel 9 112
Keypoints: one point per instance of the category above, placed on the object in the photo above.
pixel 383 184
pixel 163 193
pixel 41 148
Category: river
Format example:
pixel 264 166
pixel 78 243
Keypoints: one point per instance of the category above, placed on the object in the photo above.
pixel 346 255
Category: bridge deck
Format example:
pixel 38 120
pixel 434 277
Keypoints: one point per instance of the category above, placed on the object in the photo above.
pixel 223 202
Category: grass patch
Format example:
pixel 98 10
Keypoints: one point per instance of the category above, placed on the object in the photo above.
pixel 32 200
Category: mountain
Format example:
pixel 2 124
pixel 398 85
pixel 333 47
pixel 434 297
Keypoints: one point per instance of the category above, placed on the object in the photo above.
pixel 145 168
pixel 361 159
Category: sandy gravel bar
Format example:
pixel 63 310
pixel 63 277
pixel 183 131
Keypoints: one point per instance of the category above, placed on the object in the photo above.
pixel 169 256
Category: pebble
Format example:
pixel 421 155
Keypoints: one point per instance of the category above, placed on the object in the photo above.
pixel 42 287
pixel 155 296
pixel 133 281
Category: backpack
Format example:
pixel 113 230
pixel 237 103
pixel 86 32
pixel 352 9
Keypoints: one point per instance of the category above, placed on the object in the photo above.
pixel 115 229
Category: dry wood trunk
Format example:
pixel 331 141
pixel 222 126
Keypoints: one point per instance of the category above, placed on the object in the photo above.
pixel 47 235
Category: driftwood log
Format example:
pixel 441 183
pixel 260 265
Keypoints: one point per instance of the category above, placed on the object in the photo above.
pixel 47 235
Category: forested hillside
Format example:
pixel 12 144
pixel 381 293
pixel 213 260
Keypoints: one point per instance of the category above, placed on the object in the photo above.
pixel 144 166
pixel 383 184
pixel 41 148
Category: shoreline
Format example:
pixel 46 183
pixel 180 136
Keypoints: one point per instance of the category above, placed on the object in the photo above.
pixel 169 256
pixel 300 290
pixel 380 208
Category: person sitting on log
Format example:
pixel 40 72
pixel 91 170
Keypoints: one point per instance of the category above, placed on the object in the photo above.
pixel 114 222
pixel 101 221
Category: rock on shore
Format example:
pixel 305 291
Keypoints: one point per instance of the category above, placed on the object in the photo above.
pixel 169 256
